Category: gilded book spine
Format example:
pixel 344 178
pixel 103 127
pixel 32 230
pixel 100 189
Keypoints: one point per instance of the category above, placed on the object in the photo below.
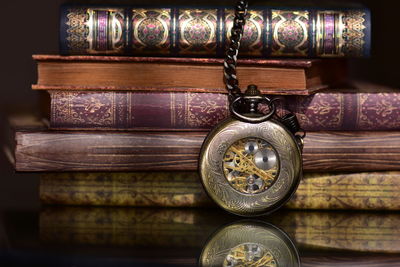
pixel 331 110
pixel 362 191
pixel 203 31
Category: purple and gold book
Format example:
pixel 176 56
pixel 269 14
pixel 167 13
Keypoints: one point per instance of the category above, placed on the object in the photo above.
pixel 203 32
pixel 366 107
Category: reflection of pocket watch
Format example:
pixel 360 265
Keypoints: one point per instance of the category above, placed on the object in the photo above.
pixel 250 164
pixel 250 243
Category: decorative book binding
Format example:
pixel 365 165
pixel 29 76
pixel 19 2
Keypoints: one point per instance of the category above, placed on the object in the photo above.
pixel 167 31
pixel 341 191
pixel 327 110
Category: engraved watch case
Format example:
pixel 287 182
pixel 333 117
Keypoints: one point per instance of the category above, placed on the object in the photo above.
pixel 250 169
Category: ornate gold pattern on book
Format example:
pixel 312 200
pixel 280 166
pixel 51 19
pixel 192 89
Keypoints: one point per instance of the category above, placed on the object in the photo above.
pixel 251 43
pixel 134 189
pixel 319 111
pixel 365 191
pixel 202 112
pixel 348 191
pixel 378 110
pixel 327 36
pixel 151 31
pixel 95 31
pixel 340 33
pixel 290 33
pixel 77 108
pixel 251 165
pixel 77 30
pixel 197 31
pixel 353 34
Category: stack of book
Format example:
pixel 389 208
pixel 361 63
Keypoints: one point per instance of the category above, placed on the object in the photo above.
pixel 135 91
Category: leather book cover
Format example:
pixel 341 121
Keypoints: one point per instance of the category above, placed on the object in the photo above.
pixel 166 74
pixel 47 150
pixel 203 31
pixel 368 107
pixel 331 191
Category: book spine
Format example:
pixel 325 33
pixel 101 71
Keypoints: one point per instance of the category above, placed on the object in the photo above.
pixel 146 189
pixel 361 191
pixel 202 111
pixel 38 150
pixel 297 32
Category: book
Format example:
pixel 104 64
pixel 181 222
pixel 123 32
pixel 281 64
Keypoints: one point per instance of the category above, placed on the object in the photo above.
pixel 366 106
pixel 204 31
pixel 41 149
pixel 144 227
pixel 332 191
pixel 107 73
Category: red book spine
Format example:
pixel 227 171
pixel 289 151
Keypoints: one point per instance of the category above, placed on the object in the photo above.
pixel 329 110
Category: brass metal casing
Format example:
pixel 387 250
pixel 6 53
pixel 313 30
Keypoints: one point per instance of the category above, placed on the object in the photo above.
pixel 218 187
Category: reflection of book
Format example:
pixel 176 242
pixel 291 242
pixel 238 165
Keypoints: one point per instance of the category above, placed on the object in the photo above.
pixel 366 191
pixel 366 107
pixel 203 31
pixel 195 75
pixel 374 232
pixel 123 226
pixel 39 149
pixel 192 227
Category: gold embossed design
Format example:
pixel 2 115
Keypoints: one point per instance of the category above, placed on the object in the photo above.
pixel 151 31
pixel 378 110
pixel 322 31
pixel 251 165
pixel 77 30
pixel 353 34
pixel 94 31
pixel 317 111
pixel 348 33
pixel 113 38
pixel 202 112
pixel 77 108
pixel 251 43
pixel 362 191
pixel 249 243
pixel 212 168
pixel 290 33
pixel 250 254
pixel 197 33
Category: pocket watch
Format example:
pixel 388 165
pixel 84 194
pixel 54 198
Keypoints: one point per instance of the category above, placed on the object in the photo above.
pixel 250 164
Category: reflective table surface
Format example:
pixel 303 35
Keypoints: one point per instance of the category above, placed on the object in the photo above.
pixel 85 236
pixel 31 234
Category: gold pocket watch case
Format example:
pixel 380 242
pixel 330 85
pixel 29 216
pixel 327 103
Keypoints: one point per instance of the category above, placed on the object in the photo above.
pixel 250 243
pixel 250 169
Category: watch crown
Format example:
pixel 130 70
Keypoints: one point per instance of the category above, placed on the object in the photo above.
pixel 252 90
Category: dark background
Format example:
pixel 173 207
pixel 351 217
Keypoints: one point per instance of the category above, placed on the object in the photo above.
pixel 31 27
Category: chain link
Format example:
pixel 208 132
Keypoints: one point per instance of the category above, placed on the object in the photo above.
pixel 230 63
